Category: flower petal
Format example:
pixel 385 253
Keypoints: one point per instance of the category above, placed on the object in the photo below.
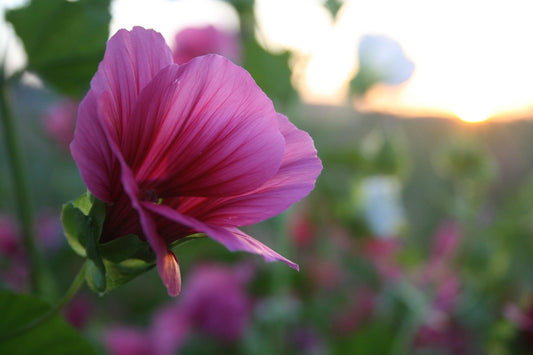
pixel 203 129
pixel 295 179
pixel 131 60
pixel 167 264
pixel 231 238
pixel 91 152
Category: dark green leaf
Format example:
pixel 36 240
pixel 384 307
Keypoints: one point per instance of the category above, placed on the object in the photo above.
pixel 64 40
pixel 54 336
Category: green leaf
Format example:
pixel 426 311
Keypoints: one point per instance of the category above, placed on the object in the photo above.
pixel 270 71
pixel 53 336
pixel 64 40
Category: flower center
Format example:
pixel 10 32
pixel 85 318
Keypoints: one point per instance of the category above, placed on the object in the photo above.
pixel 150 195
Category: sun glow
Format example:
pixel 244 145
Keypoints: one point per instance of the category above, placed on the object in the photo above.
pixel 471 58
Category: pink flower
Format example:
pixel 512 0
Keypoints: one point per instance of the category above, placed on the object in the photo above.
pixel 78 311
pixel 180 149
pixel 216 302
pixel 359 310
pixel 302 229
pixel 169 330
pixel 194 42
pixel 128 341
pixel 48 230
pixel 59 122
pixel 14 270
pixel 523 319
pixel 10 243
pixel 383 254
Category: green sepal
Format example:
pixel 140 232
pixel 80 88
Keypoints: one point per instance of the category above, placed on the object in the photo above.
pixel 96 279
pixel 110 264
pixel 83 220
pixel 73 222
pixel 187 239
pixel 127 247
pixel 120 273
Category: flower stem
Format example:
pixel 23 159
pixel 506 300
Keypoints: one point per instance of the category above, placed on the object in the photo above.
pixel 72 290
pixel 21 190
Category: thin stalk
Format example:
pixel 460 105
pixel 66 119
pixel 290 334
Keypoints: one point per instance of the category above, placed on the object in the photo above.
pixel 69 294
pixel 21 191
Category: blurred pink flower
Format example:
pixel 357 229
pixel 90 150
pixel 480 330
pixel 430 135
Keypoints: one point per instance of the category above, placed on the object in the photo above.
pixel 523 319
pixel 78 311
pixel 169 330
pixel 447 295
pixel 193 42
pixel 14 271
pixel 308 341
pixel 59 122
pixel 301 229
pixel 439 269
pixel 444 336
pixel 326 274
pixel 128 341
pixel 383 253
pixel 358 311
pixel 10 243
pixel 181 149
pixel 48 230
pixel 216 302
pixel 446 241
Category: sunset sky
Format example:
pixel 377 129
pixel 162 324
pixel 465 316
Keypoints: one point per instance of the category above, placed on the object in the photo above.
pixel 473 59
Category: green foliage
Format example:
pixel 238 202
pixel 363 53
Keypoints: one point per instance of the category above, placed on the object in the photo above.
pixel 385 154
pixel 54 336
pixel 375 338
pixel 270 71
pixel 110 264
pixel 64 40
pixel 465 159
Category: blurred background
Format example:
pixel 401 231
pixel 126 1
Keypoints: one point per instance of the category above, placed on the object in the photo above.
pixel 418 236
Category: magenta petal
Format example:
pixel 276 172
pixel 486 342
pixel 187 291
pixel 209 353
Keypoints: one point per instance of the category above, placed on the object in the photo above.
pixel 294 180
pixel 91 152
pixel 231 238
pixel 167 264
pixel 203 129
pixel 131 60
